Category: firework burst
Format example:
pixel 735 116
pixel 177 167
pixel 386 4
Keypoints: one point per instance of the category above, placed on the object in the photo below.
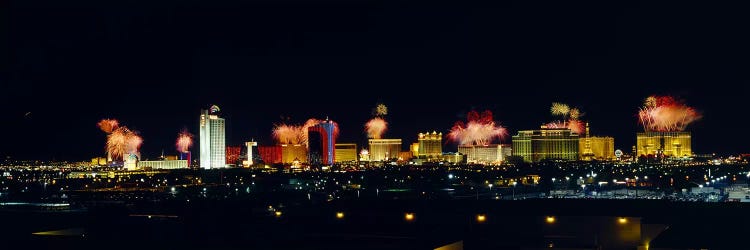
pixel 666 114
pixel 479 130
pixel 296 134
pixel 184 141
pixel 376 127
pixel 108 125
pixel 381 110
pixel 559 109
pixel 572 116
pixel 287 134
pixel 122 141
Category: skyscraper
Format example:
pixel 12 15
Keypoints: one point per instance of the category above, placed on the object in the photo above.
pixel 321 143
pixel 430 145
pixel 212 140
pixel 546 144
pixel 485 154
pixel 384 149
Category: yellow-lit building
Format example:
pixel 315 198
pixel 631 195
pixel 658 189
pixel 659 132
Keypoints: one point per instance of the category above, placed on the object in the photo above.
pixel 453 158
pixel 345 152
pixel 101 161
pixel 430 145
pixel 668 144
pixel 165 164
pixel 596 148
pixel 485 154
pixel 546 144
pixel 414 148
pixel 383 149
pixel 405 155
pixel 293 152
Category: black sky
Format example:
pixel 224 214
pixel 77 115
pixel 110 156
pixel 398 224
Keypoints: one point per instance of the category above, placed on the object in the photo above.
pixel 154 64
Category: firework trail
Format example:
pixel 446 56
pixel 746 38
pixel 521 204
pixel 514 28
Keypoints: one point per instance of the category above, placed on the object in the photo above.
pixel 479 130
pixel 108 125
pixel 666 114
pixel 122 141
pixel 184 141
pixel 559 109
pixel 381 110
pixel 376 127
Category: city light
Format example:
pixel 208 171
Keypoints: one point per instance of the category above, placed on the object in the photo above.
pixel 550 219
pixel 622 220
pixel 409 216
pixel 481 218
pixel 277 213
pixel 339 215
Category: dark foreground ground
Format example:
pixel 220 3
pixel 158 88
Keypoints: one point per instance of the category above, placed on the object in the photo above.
pixel 578 224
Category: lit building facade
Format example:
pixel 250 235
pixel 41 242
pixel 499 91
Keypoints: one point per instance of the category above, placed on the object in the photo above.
pixel 291 153
pixel 130 162
pixel 453 158
pixel 270 154
pixel 212 139
pixel 414 148
pixel 249 146
pixel 596 148
pixel 546 144
pixel 345 152
pixel 667 144
pixel 405 155
pixel 165 164
pixel 384 149
pixel 430 145
pixel 233 155
pixel 485 154
pixel 321 143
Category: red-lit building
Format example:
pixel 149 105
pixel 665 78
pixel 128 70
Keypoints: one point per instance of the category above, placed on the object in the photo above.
pixel 321 143
pixel 270 154
pixel 233 154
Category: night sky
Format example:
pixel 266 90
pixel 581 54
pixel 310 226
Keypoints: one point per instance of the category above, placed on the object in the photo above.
pixel 154 64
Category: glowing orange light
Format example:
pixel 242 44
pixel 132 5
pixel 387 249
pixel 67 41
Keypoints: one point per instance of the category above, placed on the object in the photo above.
pixel 550 219
pixel 278 213
pixel 622 220
pixel 409 216
pixel 339 215
pixel 481 218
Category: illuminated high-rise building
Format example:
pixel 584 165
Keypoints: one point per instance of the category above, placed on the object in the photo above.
pixel 666 144
pixel 485 154
pixel 414 148
pixel 546 144
pixel 212 140
pixel 384 149
pixel 430 145
pixel 321 139
pixel 345 152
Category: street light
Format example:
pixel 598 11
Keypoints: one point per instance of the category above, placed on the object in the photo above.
pixel 514 190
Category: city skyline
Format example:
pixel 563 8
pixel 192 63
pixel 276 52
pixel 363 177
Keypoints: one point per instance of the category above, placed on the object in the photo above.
pixel 270 63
